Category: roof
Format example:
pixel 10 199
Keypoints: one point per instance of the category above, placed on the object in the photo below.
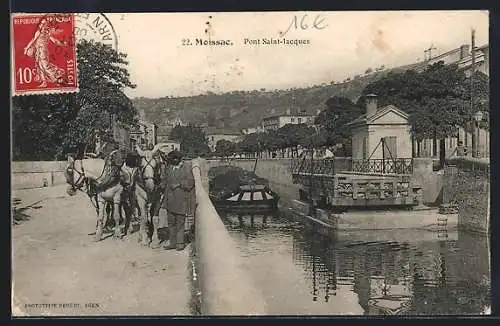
pixel 380 112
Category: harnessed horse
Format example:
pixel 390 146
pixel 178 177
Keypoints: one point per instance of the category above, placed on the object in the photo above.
pixel 82 175
pixel 147 192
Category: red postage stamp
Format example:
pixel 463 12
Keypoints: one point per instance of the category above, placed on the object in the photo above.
pixel 43 54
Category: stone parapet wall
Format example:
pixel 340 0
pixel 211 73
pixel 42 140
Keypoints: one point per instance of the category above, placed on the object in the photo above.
pixel 33 174
pixel 226 286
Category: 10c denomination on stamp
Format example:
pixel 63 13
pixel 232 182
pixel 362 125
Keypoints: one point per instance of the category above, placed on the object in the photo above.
pixel 44 54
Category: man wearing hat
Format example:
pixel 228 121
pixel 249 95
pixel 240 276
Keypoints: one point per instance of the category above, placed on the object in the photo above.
pixel 179 198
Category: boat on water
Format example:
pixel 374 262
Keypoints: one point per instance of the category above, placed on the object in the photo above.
pixel 247 198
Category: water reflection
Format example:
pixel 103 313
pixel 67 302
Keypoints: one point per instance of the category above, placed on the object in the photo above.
pixel 301 272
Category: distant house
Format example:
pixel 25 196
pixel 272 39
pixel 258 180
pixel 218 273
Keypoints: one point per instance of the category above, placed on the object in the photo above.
pixel 251 130
pixel 169 145
pixel 387 125
pixel 214 135
pixel 165 128
pixel 143 133
pixel 275 122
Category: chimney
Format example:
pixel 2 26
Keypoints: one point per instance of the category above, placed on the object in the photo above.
pixel 371 105
pixel 464 50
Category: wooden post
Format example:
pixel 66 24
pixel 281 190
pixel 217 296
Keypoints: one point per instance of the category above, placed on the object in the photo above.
pixel 382 140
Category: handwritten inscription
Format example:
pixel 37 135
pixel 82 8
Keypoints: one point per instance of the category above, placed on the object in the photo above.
pixel 302 24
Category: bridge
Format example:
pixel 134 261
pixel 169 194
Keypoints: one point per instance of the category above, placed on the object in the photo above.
pixel 57 270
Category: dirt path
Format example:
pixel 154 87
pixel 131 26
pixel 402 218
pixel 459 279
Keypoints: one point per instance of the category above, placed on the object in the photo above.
pixel 55 262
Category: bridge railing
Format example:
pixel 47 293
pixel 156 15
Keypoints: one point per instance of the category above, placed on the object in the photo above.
pixel 226 286
pixel 386 166
pixel 331 166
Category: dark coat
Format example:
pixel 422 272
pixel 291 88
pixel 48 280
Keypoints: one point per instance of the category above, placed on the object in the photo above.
pixel 179 197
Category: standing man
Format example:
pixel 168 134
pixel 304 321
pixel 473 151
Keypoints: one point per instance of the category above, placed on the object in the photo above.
pixel 179 198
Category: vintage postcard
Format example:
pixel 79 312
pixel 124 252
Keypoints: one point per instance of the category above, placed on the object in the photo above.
pixel 250 163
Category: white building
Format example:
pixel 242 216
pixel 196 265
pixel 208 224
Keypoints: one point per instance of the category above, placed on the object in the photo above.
pixel 252 130
pixel 169 145
pixel 275 122
pixel 389 124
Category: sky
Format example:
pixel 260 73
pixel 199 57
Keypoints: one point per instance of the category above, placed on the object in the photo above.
pixel 343 45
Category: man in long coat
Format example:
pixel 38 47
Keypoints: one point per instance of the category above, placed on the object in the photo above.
pixel 179 198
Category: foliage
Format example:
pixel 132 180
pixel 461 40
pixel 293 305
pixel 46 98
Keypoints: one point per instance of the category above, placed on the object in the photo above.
pixel 225 148
pixel 46 126
pixel 339 111
pixel 253 143
pixel 192 139
pixel 437 99
pixel 289 136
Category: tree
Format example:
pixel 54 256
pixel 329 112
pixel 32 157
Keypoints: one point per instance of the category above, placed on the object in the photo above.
pixel 294 135
pixel 252 143
pixel 437 99
pixel 46 126
pixel 192 138
pixel 332 121
pixel 225 148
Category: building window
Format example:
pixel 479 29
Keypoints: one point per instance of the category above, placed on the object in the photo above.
pixel 212 138
pixel 300 120
pixel 172 147
pixel 293 119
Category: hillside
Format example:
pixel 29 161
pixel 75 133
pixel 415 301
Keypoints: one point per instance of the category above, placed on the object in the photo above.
pixel 239 109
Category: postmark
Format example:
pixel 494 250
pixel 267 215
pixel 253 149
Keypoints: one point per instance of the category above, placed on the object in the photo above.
pixel 96 27
pixel 43 54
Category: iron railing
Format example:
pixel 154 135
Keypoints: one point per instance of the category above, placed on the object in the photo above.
pixel 384 166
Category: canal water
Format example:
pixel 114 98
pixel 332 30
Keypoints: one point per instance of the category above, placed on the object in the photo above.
pixel 300 272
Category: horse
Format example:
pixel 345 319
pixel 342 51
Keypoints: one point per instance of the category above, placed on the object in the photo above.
pixel 147 183
pixel 84 173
